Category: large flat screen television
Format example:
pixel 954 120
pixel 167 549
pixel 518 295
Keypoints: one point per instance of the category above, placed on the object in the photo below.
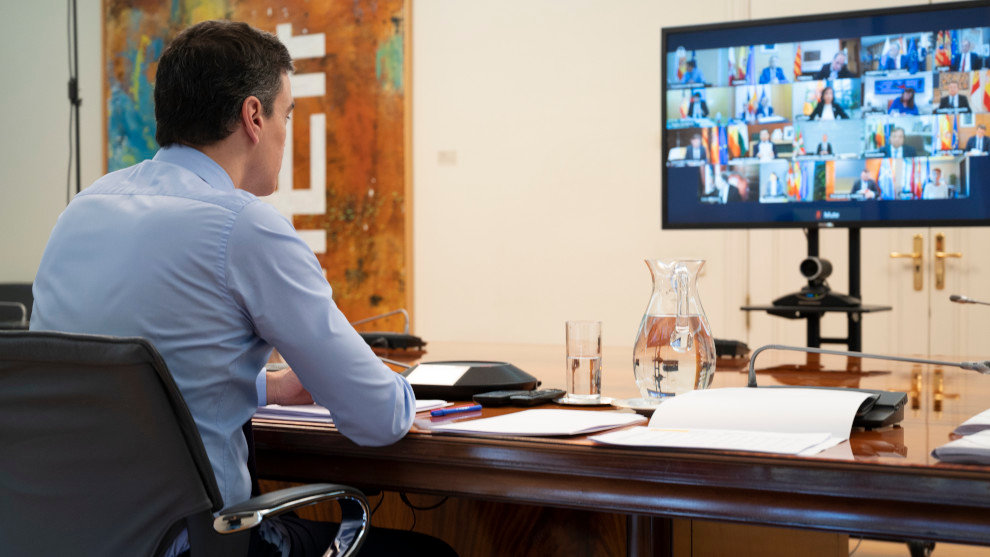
pixel 874 118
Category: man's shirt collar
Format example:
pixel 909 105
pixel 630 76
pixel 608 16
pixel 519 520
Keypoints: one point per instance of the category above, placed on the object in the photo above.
pixel 198 163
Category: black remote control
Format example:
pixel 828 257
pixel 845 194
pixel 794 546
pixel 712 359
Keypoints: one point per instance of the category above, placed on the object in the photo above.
pixel 518 398
pixel 539 396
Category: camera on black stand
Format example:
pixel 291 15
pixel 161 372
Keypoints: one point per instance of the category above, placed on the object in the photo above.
pixel 817 293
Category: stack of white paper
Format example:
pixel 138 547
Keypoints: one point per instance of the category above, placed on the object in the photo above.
pixel 722 439
pixel 784 421
pixel 975 424
pixel 543 423
pixel 297 413
pixel 974 448
pixel 319 414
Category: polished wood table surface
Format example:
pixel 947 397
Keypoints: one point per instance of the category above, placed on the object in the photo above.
pixel 883 483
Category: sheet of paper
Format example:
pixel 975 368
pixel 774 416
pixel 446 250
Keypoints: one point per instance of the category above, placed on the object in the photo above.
pixel 972 449
pixel 543 422
pixel 299 413
pixel 436 374
pixel 718 439
pixel 828 411
pixel 316 413
pixel 977 423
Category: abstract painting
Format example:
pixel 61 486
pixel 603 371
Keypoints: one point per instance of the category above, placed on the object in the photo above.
pixel 343 182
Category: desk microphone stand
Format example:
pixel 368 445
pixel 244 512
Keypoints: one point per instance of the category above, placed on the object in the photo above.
pixel 980 367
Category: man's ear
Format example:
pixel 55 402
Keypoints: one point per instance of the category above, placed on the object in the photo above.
pixel 252 118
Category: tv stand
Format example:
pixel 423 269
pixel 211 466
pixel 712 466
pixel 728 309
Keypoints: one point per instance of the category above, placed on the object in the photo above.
pixel 811 304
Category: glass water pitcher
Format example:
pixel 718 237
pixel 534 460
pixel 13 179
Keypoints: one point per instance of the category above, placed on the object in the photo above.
pixel 674 351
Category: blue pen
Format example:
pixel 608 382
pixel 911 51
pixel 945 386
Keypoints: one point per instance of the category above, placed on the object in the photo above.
pixel 455 410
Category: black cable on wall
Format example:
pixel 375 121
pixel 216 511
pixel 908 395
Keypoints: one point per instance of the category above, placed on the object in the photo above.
pixel 72 31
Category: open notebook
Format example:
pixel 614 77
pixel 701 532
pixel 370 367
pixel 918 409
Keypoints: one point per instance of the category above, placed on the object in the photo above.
pixel 783 421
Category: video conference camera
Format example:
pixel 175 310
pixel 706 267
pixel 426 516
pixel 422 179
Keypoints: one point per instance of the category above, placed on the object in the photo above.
pixel 817 293
pixel 816 270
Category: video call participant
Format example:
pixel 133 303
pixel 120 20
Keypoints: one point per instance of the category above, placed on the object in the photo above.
pixel 698 107
pixel 935 188
pixel 765 149
pixel 692 73
pixel 866 187
pixel 772 73
pixel 896 149
pixel 904 104
pixel 695 151
pixel 953 101
pixel 824 148
pixel 727 192
pixel 892 59
pixel 764 110
pixel 827 108
pixel 773 186
pixel 836 69
pixel 966 60
pixel 181 251
pixel 979 143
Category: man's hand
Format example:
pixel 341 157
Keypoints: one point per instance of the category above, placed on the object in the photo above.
pixel 284 388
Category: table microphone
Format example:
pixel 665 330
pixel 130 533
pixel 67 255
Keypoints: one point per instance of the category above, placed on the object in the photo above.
pixel 965 300
pixel 981 367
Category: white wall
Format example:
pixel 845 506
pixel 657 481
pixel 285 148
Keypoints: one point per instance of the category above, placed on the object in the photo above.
pixel 552 111
pixel 34 119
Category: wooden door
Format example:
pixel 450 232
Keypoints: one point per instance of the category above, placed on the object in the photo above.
pixel 922 321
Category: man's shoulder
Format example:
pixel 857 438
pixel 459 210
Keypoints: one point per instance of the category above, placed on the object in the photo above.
pixel 155 178
pixel 257 211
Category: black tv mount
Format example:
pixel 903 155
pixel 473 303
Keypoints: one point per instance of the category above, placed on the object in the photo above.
pixel 816 299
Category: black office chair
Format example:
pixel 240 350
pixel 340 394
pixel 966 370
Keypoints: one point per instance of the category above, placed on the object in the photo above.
pixel 100 456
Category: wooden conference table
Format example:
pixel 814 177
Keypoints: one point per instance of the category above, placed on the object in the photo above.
pixel 882 484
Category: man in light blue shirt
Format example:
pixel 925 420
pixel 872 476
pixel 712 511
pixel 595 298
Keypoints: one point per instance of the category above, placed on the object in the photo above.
pixel 693 74
pixel 180 250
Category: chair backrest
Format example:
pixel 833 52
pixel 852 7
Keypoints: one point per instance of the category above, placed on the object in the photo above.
pixel 98 452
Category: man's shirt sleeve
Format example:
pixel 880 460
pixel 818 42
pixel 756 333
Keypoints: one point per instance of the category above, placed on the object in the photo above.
pixel 261 386
pixel 274 276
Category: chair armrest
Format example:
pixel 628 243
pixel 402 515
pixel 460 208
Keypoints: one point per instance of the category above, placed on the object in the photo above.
pixel 355 512
pixel 22 322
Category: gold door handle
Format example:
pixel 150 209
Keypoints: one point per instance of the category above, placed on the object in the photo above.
pixel 917 258
pixel 940 255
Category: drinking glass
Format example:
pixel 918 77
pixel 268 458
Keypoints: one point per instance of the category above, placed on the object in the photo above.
pixel 584 361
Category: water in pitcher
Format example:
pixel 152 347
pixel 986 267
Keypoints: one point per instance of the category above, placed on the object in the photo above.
pixel 584 377
pixel 671 355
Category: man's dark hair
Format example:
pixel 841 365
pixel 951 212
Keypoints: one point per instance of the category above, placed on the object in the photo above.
pixel 205 74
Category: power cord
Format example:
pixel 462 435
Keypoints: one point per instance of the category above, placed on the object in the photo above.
pixel 414 508
pixel 855 549
pixel 381 500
